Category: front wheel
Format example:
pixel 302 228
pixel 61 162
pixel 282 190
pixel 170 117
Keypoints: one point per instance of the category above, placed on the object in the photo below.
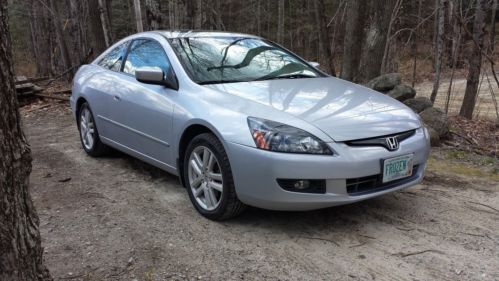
pixel 208 176
pixel 89 136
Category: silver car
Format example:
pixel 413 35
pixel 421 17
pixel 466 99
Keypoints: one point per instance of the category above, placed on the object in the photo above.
pixel 243 121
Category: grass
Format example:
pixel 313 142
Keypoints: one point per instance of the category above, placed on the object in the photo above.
pixel 463 169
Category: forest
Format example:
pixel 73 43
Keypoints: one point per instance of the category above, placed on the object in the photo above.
pixel 70 212
pixel 424 40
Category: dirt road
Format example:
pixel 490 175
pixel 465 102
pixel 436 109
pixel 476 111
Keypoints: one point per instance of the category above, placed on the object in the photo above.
pixel 116 218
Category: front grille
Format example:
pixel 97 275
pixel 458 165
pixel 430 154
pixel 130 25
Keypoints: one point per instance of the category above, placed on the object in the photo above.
pixel 374 183
pixel 382 140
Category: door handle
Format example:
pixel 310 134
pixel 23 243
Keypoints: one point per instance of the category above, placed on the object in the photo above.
pixel 116 98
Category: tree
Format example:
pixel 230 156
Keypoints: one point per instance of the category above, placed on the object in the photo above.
pixel 153 14
pixel 324 45
pixel 21 255
pixel 63 48
pixel 106 21
pixel 280 21
pixel 475 61
pixel 96 31
pixel 376 38
pixel 354 34
pixel 40 31
pixel 138 15
pixel 439 46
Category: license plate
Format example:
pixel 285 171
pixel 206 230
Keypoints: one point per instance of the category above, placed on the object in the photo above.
pixel 397 167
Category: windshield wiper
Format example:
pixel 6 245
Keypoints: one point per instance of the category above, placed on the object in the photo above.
pixel 285 76
pixel 210 82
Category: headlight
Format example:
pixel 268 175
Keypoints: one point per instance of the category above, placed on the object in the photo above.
pixel 275 136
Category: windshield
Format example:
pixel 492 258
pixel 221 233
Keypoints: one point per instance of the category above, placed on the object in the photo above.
pixel 211 60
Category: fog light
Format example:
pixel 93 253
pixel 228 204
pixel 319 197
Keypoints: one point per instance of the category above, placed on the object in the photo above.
pixel 303 186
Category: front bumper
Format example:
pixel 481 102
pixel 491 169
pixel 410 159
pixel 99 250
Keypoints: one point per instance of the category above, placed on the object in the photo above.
pixel 256 172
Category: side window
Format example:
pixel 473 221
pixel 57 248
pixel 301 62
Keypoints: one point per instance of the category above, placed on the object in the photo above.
pixel 114 58
pixel 145 52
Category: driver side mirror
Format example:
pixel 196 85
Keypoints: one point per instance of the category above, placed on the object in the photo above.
pixel 156 76
pixel 314 64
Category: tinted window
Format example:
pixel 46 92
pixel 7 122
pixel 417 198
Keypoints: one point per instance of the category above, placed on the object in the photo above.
pixel 114 58
pixel 146 53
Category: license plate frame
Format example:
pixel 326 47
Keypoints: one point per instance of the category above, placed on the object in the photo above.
pixel 399 174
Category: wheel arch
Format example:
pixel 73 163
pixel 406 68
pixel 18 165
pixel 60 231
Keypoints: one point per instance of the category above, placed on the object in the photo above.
pixel 79 102
pixel 191 131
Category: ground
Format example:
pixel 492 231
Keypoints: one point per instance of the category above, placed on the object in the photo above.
pixel 116 218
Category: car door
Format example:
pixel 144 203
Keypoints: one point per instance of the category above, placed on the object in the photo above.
pixel 142 113
pixel 100 90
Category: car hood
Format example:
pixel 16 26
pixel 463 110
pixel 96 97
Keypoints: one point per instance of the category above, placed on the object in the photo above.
pixel 343 110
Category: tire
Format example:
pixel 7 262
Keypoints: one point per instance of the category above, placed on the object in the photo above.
pixel 217 183
pixel 90 142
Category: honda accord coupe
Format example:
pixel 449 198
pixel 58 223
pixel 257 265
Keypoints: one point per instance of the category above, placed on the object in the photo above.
pixel 243 121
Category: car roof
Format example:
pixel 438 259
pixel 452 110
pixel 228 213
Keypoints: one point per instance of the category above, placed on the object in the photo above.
pixel 200 33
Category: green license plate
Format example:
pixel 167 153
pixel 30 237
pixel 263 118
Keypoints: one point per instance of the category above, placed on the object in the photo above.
pixel 397 167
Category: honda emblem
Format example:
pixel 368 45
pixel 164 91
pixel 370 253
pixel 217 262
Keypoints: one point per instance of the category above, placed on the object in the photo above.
pixel 392 143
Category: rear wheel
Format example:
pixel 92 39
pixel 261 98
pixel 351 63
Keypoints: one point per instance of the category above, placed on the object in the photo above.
pixel 208 176
pixel 89 136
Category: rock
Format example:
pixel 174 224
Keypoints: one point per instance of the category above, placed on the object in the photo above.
pixel 437 119
pixel 402 92
pixel 418 104
pixel 434 137
pixel 385 82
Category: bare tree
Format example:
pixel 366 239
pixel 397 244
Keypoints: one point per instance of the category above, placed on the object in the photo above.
pixel 475 61
pixel 280 22
pixel 63 48
pixel 97 33
pixel 375 40
pixel 323 35
pixel 21 255
pixel 354 34
pixel 153 14
pixel 106 22
pixel 439 48
pixel 492 38
pixel 40 33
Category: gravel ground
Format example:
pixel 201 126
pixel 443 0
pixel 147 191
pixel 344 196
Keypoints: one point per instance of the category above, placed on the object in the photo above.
pixel 116 218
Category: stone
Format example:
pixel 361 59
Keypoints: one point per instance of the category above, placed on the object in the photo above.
pixel 434 137
pixel 418 104
pixel 437 119
pixel 385 82
pixel 402 92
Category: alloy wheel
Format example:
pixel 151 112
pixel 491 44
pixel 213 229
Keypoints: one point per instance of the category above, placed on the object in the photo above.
pixel 205 178
pixel 87 128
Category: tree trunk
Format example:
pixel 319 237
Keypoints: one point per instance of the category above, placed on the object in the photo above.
pixel 21 255
pixel 258 18
pixel 106 23
pixel 153 15
pixel 323 34
pixel 171 14
pixel 39 25
pixel 439 48
pixel 96 30
pixel 414 45
pixel 376 38
pixel 393 17
pixel 280 22
pixel 475 61
pixel 354 34
pixel 492 37
pixel 63 48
